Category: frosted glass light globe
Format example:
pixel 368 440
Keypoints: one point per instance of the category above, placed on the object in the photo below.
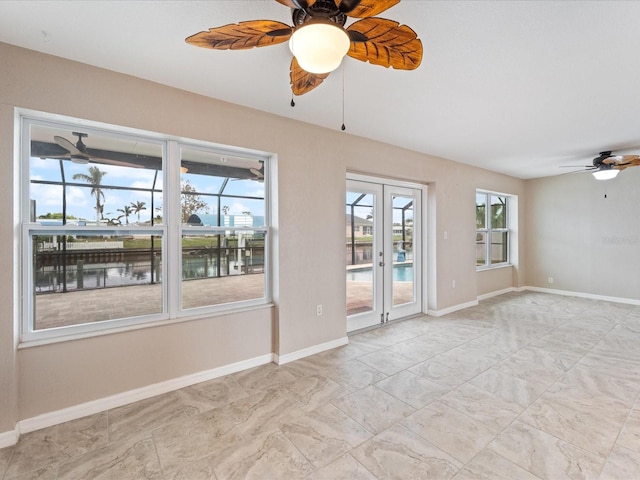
pixel 319 47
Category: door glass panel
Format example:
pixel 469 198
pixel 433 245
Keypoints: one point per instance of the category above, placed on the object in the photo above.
pixel 360 254
pixel 403 274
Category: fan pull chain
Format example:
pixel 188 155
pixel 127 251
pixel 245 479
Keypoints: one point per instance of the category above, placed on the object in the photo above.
pixel 293 104
pixel 343 126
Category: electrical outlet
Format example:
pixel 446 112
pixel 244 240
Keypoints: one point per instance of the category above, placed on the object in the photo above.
pixel 453 284
pixel 550 280
pixel 319 310
pixel 445 235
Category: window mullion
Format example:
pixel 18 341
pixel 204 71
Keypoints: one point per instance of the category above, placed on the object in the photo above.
pixel 173 284
pixel 487 219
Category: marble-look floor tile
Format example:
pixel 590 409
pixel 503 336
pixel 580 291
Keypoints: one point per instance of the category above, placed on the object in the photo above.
pixel 488 465
pixel 183 443
pixel 212 394
pixel 116 461
pixel 616 346
pixel 622 369
pixel 384 336
pixel 545 455
pixel 36 451
pixel 263 412
pixel 630 434
pixel 267 456
pixel 592 391
pixel 452 370
pixel 453 432
pixel 344 468
pixel 569 339
pixel 508 387
pixel 263 377
pixel 140 418
pixel 325 434
pixel 5 458
pixel 622 464
pixel 387 362
pixel 83 434
pixel 538 365
pixel 494 412
pixel 354 375
pixel 597 324
pixel 400 454
pixel 373 409
pixel 313 391
pixel 47 472
pixel 199 470
pixel 593 432
pixel 422 348
pixel 412 389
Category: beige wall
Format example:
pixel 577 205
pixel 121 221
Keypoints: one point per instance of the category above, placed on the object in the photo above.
pixel 586 242
pixel 311 164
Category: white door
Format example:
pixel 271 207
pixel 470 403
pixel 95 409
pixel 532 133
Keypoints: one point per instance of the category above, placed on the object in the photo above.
pixel 383 253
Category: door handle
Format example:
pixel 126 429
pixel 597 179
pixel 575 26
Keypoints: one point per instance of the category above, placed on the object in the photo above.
pixel 381 264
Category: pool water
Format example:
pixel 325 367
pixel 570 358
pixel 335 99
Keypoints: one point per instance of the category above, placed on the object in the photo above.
pixel 401 273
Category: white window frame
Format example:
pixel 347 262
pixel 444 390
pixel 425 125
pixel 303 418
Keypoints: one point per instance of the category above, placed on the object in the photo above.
pixel 488 230
pixel 170 231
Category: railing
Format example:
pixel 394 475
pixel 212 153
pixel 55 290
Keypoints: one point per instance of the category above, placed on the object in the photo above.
pixel 46 246
pixel 90 270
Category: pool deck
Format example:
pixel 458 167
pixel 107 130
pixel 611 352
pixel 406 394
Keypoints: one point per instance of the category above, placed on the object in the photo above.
pixel 88 306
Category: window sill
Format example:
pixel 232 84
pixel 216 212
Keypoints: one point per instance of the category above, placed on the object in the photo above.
pixel 494 267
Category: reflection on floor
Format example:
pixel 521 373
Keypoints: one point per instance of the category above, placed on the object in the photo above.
pixel 523 386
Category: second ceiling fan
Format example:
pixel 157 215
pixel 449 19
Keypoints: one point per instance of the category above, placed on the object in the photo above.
pixel 319 40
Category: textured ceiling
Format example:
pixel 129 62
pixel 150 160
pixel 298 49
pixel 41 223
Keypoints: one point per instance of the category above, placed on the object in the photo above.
pixel 517 87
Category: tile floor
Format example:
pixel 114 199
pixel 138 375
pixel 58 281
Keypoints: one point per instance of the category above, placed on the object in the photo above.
pixel 523 386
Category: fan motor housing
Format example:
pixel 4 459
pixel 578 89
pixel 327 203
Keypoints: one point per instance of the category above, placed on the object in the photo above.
pixel 321 8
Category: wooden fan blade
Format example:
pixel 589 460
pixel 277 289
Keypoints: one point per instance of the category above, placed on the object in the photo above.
pixel 303 4
pixel 365 8
pixel 243 35
pixel 385 42
pixel 302 81
pixel 627 161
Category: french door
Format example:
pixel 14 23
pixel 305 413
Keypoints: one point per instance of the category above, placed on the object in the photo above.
pixel 384 247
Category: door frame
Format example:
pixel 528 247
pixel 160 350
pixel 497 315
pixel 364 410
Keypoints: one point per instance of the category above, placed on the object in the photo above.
pixel 422 212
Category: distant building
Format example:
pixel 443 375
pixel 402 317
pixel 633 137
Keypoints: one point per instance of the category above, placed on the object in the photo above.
pixel 207 220
pixel 361 227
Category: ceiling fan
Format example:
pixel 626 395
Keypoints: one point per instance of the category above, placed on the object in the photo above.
pixel 79 153
pixel 607 165
pixel 319 41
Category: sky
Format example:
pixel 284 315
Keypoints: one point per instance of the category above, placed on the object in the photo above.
pixel 81 204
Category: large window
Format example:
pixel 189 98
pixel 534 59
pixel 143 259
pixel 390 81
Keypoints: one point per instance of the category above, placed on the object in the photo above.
pixel 492 232
pixel 122 228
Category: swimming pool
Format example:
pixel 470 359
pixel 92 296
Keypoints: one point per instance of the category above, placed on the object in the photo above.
pixel 401 273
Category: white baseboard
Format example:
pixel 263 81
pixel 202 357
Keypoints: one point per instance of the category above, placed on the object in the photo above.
pixel 8 439
pixel 120 399
pixel 454 308
pixel 496 293
pixel 305 352
pixel 568 293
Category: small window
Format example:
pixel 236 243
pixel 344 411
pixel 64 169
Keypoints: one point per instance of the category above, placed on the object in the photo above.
pixel 492 232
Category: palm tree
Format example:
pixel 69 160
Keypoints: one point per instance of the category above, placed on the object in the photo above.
pixel 138 207
pixel 126 211
pixel 94 178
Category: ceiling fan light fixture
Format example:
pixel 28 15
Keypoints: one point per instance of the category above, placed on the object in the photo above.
pixel 319 46
pixel 605 173
pixel 79 159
